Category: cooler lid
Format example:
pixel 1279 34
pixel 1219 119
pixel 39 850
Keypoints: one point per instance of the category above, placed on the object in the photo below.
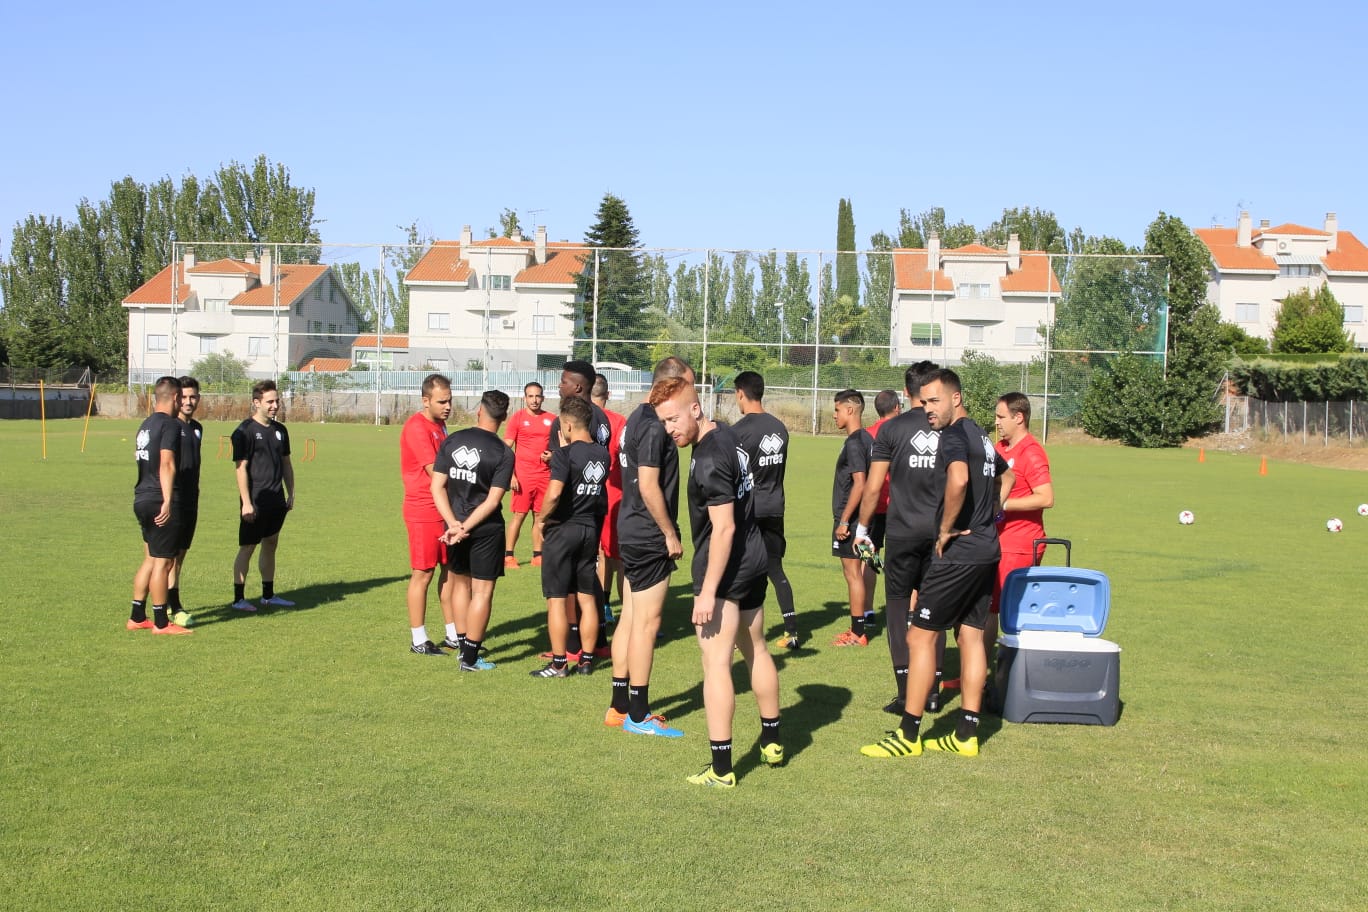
pixel 1055 598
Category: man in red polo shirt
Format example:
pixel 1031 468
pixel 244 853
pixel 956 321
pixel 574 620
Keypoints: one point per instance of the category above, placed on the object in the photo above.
pixel 610 564
pixel 418 444
pixel 528 431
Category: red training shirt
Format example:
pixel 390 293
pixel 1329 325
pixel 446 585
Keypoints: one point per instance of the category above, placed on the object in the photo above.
pixel 528 434
pixel 882 506
pixel 1031 470
pixel 418 445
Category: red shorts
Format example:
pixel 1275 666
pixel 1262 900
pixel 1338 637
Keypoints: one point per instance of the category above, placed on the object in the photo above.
pixel 426 550
pixel 529 498
pixel 608 539
pixel 1011 560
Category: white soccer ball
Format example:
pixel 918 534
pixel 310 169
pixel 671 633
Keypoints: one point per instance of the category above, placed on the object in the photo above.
pixel 1186 518
pixel 1333 525
pixel 1363 509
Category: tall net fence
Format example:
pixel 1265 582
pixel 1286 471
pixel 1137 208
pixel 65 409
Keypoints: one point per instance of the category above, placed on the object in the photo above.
pixel 352 329
pixel 1323 424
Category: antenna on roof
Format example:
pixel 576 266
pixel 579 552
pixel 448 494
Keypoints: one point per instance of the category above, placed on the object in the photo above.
pixel 533 213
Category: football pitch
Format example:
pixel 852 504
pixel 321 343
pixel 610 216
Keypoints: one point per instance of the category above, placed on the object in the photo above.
pixel 304 759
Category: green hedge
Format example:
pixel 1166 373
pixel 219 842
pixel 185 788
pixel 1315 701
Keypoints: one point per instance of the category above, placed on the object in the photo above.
pixel 1309 378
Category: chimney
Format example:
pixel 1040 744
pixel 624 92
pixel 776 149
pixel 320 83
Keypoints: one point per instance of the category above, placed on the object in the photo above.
pixel 540 244
pixel 933 251
pixel 466 239
pixel 516 236
pixel 1013 252
pixel 266 273
pixel 1332 229
pixel 189 258
pixel 1263 224
pixel 250 258
pixel 1243 232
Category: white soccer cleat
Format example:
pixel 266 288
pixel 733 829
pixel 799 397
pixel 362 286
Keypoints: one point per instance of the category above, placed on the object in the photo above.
pixel 242 605
pixel 276 601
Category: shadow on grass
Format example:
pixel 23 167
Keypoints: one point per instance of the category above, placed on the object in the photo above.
pixel 818 706
pixel 305 598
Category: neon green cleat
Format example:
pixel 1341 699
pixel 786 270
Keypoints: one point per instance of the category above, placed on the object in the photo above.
pixel 183 618
pixel 708 777
pixel 772 754
pixel 949 744
pixel 895 745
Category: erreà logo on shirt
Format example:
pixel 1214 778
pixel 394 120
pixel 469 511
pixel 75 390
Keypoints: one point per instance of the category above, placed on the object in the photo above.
pixel 745 480
pixel 591 478
pixel 143 439
pixel 602 433
pixel 925 443
pixel 771 450
pixel 466 458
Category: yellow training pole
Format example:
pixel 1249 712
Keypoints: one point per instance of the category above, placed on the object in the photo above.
pixel 89 405
pixel 42 416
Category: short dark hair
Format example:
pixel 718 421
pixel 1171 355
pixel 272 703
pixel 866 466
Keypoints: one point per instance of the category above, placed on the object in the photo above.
pixel 530 384
pixel 945 377
pixel 166 388
pixel 434 381
pixel 1018 404
pixel 577 411
pixel 261 388
pixel 886 402
pixel 914 378
pixel 750 383
pixel 670 366
pixel 189 382
pixel 582 369
pixel 600 390
pixel 850 395
pixel 495 403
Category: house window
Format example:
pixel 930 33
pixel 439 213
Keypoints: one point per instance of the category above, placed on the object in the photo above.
pixel 1297 270
pixel 439 322
pixel 208 345
pixel 926 334
pixel 332 331
pixel 543 324
pixel 258 346
pixel 315 327
pixel 976 333
pixel 157 343
pixel 215 305
pixel 299 308
pixel 1026 335
pixel 1246 313
pixel 440 365
pixel 499 283
pixel 1353 313
pixel 975 290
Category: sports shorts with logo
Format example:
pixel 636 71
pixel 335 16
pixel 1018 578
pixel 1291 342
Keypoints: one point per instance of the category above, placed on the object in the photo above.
pixel 954 594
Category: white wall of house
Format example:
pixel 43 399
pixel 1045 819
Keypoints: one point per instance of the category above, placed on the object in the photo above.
pixel 1251 300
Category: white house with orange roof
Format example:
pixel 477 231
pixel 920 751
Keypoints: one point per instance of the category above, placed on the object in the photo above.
pixel 971 297
pixel 506 303
pixel 275 316
pixel 1253 269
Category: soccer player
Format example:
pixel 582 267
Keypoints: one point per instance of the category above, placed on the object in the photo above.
pixel 418 445
pixel 887 404
pixel 729 576
pixel 576 502
pixel 266 491
pixel 156 453
pixel 648 536
pixel 905 454
pixel 958 587
pixel 765 440
pixel 610 565
pixel 473 469
pixel 847 491
pixel 528 431
pixel 1023 519
pixel 187 486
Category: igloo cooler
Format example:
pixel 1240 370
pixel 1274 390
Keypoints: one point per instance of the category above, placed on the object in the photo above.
pixel 1052 664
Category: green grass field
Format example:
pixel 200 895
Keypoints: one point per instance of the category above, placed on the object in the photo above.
pixel 303 759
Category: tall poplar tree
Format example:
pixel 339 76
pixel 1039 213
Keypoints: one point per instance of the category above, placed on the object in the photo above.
pixel 847 262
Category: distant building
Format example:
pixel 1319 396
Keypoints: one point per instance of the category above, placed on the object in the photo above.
pixel 273 316
pixel 518 294
pixel 1253 269
pixel 971 297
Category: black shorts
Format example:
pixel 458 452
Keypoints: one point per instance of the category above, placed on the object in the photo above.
pixel 189 519
pixel 645 567
pixel 749 594
pixel 906 561
pixel 772 532
pixel 569 560
pixel 161 541
pixel 479 557
pixel 270 519
pixel 844 549
pixel 877 526
pixel 954 594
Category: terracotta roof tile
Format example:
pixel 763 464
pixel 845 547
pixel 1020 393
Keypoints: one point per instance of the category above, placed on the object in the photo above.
pixel 1035 275
pixel 501 242
pixel 157 290
pixel 975 249
pixel 395 343
pixel 293 279
pixel 910 273
pixel 560 268
pixel 1290 228
pixel 315 365
pixel 1228 256
pixel 442 263
pixel 225 266
pixel 1350 255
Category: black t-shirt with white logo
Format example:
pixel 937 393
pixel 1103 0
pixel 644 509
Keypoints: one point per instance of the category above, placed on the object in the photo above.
pixel 583 469
pixel 854 457
pixel 188 469
pixel 645 443
pixel 766 440
pixel 264 447
pixel 908 444
pixel 720 473
pixel 475 461
pixel 157 432
pixel 964 441
pixel 600 431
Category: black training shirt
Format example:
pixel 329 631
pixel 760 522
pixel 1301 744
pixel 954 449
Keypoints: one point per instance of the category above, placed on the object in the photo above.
pixel 719 473
pixel 964 441
pixel 188 469
pixel 645 443
pixel 854 457
pixel 765 440
pixel 157 432
pixel 583 469
pixel 600 431
pixel 908 444
pixel 475 461
pixel 264 447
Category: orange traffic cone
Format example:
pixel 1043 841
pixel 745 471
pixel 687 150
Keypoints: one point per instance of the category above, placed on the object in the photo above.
pixel 1263 465
pixel 1201 454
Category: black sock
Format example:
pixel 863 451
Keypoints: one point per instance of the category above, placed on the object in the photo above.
pixel 857 625
pixel 460 640
pixel 940 675
pixel 968 725
pixel 159 616
pixel 557 661
pixel 139 612
pixel 619 702
pixel 239 592
pixel 791 623
pixel 470 651
pixel 536 553
pixel 910 726
pixel 573 639
pixel 769 731
pixel 173 598
pixel 508 554
pixel 638 702
pixel 268 589
pixel 900 678
pixel 721 757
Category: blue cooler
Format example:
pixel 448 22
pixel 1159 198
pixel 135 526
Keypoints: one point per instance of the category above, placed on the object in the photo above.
pixel 1052 664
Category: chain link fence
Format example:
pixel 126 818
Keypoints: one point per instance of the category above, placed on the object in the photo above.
pixel 1324 424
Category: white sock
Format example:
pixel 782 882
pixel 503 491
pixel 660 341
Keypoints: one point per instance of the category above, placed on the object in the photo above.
pixel 451 632
pixel 419 635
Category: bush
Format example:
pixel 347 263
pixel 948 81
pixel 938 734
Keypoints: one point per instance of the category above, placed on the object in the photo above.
pixel 1129 401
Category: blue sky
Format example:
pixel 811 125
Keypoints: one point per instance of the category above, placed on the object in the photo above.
pixel 721 125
